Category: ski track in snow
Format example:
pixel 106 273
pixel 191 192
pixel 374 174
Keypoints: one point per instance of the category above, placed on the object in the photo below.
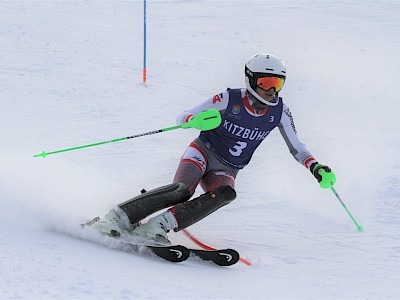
pixel 70 74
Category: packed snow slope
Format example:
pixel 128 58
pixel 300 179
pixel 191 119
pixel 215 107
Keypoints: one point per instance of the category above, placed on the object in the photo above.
pixel 70 74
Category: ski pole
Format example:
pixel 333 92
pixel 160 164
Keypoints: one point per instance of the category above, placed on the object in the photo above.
pixel 359 227
pixel 205 120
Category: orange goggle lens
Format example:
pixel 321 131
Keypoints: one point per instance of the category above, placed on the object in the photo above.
pixel 265 83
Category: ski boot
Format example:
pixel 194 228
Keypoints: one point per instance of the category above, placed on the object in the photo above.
pixel 156 228
pixel 113 224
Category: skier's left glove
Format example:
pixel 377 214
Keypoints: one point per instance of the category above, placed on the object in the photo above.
pixel 325 176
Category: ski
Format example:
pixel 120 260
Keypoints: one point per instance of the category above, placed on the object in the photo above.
pixel 172 253
pixel 221 257
pixel 176 253
pixel 179 253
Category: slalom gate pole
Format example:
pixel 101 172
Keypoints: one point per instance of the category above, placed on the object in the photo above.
pixel 359 227
pixel 207 247
pixel 205 120
pixel 144 43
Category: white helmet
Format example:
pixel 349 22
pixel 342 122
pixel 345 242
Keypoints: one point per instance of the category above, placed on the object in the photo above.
pixel 263 65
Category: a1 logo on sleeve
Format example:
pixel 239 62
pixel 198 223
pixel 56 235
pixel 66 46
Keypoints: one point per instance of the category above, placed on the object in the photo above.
pixel 216 99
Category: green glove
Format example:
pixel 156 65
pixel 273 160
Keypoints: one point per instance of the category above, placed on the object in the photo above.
pixel 204 120
pixel 325 176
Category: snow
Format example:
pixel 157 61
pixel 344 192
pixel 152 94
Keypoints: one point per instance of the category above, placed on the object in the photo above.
pixel 70 74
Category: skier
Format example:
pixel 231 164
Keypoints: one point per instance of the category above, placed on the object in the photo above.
pixel 214 158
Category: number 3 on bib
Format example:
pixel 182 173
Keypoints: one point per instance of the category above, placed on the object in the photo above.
pixel 238 148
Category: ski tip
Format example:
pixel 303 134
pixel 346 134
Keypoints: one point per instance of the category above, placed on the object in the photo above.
pixel 221 257
pixel 235 257
pixel 176 253
pixel 227 257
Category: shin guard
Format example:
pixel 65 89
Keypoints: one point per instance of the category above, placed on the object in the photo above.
pixel 190 212
pixel 152 201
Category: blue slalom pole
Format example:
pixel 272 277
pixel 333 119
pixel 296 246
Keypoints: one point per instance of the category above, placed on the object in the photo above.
pixel 144 43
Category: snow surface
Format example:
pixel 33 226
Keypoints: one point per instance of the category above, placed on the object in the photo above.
pixel 70 74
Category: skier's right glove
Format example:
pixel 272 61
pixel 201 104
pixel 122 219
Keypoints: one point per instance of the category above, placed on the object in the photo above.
pixel 325 176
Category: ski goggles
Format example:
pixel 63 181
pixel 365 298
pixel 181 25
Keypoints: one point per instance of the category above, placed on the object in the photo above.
pixel 265 83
